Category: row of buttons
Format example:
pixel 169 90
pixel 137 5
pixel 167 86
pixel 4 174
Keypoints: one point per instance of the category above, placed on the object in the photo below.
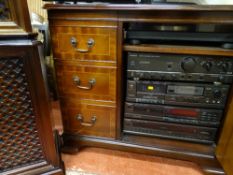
pixel 213 101
pixel 209 118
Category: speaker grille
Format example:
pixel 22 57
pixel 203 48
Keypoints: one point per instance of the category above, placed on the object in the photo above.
pixel 19 139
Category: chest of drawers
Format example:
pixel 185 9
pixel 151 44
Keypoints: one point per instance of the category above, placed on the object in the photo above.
pixel 85 62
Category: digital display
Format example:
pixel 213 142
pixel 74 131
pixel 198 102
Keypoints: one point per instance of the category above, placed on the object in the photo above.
pixel 183 112
pixel 150 88
pixel 185 90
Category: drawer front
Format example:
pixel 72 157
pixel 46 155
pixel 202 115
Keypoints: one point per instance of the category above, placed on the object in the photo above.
pixel 87 119
pixel 84 43
pixel 86 82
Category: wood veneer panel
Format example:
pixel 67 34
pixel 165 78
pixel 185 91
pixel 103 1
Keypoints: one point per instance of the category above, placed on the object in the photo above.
pixel 104 88
pixel 104 126
pixel 82 15
pixel 104 47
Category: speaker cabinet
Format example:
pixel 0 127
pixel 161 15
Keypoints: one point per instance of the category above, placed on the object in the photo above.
pixel 26 137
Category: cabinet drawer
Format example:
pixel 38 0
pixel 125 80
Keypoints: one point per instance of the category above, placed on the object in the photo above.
pixel 86 82
pixel 84 43
pixel 87 119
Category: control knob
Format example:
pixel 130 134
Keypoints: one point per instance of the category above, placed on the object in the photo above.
pixel 206 65
pixel 225 66
pixel 221 78
pixel 188 63
pixel 217 93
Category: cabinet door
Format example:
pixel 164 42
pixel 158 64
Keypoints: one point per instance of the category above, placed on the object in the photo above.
pixel 26 138
pixel 224 151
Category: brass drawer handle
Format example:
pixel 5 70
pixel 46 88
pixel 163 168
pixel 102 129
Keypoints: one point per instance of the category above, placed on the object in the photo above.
pixel 90 44
pixel 89 124
pixel 77 82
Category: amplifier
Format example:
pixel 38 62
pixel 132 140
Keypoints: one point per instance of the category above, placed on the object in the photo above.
pixel 177 93
pixel 182 115
pixel 173 67
pixel 170 130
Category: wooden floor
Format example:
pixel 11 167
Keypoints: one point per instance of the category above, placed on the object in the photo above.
pixel 111 162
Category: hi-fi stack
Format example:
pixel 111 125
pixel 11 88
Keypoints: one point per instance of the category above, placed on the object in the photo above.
pixel 176 96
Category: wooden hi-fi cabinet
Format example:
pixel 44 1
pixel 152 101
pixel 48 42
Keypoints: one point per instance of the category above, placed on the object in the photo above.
pixel 27 143
pixel 88 47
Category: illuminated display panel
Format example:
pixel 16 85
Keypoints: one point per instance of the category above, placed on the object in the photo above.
pixel 183 112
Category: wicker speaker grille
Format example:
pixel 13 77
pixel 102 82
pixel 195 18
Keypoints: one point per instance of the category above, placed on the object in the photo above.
pixel 19 140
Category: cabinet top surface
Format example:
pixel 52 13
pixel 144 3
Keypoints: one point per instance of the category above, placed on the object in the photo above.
pixel 144 7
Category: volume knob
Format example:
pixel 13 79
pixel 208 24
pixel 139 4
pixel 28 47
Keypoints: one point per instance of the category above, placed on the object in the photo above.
pixel 217 93
pixel 188 63
pixel 225 67
pixel 207 65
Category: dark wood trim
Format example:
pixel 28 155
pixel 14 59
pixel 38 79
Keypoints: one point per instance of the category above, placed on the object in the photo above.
pixel 39 168
pixel 226 138
pixel 207 162
pixel 119 80
pixel 148 13
pixel 42 104
pixel 136 7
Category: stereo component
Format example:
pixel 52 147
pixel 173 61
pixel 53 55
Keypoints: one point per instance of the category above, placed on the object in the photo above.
pixel 176 96
pixel 172 67
pixel 170 130
pixel 176 93
pixel 182 115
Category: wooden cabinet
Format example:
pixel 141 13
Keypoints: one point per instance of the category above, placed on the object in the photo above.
pixel 92 110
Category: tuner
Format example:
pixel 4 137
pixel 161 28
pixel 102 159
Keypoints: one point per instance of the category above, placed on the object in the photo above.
pixel 188 63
